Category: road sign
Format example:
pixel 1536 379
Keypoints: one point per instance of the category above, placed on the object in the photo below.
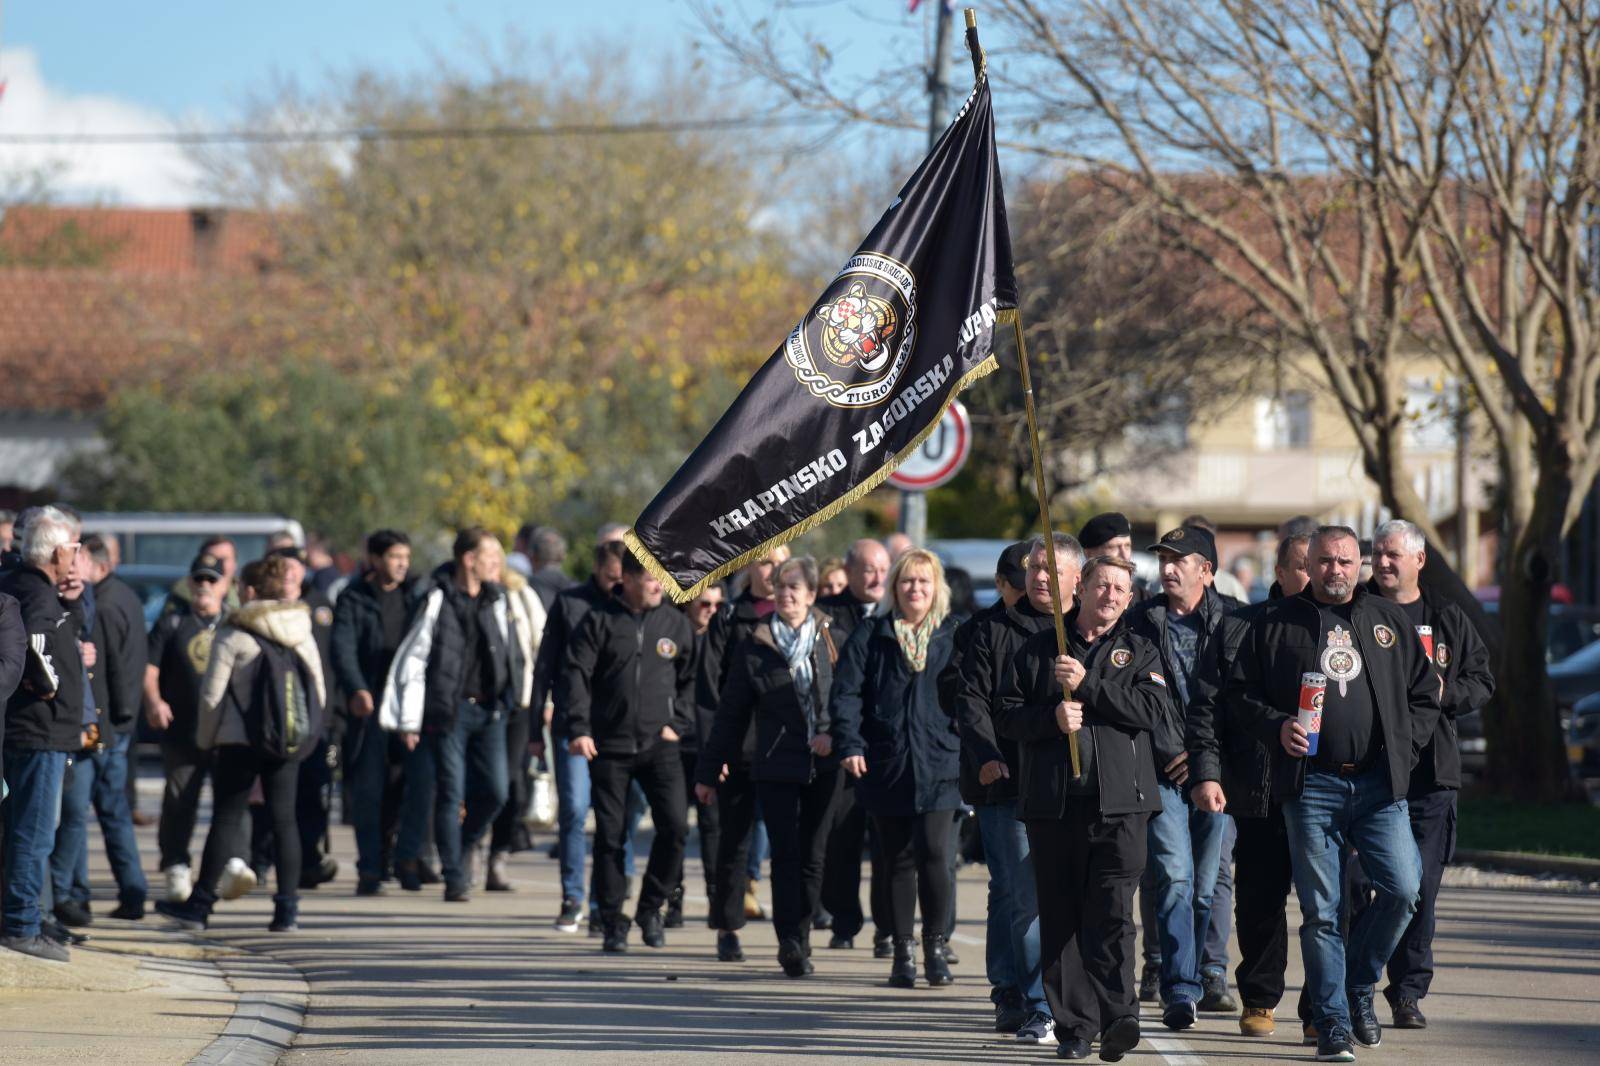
pixel 940 457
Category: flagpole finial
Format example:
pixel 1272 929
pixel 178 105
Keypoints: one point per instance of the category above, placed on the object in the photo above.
pixel 972 18
pixel 979 61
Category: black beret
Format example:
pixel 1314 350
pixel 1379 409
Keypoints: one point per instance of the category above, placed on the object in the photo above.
pixel 1103 528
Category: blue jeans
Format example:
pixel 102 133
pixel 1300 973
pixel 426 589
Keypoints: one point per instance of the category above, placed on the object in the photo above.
pixel 1185 846
pixel 97 781
pixel 760 846
pixel 1331 813
pixel 465 762
pixel 34 778
pixel 1011 952
pixel 572 812
pixel 366 750
pixel 1214 956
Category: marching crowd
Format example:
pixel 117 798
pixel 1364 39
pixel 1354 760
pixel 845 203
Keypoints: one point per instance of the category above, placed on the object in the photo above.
pixel 1176 743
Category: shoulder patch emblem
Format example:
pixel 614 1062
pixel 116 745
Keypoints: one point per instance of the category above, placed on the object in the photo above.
pixel 1441 655
pixel 1383 635
pixel 666 648
pixel 1121 657
pixel 323 616
pixel 1158 679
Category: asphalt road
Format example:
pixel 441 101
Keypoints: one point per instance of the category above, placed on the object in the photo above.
pixel 408 978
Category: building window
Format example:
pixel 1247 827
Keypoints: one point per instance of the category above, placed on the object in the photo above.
pixel 1283 421
pixel 1430 414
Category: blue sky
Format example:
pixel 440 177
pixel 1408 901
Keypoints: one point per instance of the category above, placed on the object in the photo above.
pixel 97 66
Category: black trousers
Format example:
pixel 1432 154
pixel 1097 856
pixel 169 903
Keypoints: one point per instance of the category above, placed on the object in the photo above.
pixel 314 802
pixel 232 776
pixel 848 833
pixel 659 771
pixel 736 819
pixel 916 859
pixel 508 832
pixel 708 822
pixel 1433 824
pixel 184 768
pixel 797 816
pixel 1262 878
pixel 1086 868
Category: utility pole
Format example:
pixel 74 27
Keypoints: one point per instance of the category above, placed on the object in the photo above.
pixel 914 505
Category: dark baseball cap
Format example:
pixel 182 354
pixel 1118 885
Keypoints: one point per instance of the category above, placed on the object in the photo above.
pixel 1013 564
pixel 206 565
pixel 1188 540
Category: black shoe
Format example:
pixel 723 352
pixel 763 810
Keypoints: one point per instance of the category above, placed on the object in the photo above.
pixel 1407 1015
pixel 650 927
pixel 131 910
pixel 498 879
pixel 792 956
pixel 1072 1047
pixel 597 928
pixel 674 918
pixel 320 874
pixel 285 915
pixel 841 943
pixel 728 949
pixel 1214 997
pixel 821 920
pixel 73 914
pixel 1150 983
pixel 1334 1045
pixel 934 965
pixel 567 920
pixel 904 972
pixel 370 886
pixel 882 946
pixel 39 946
pixel 1179 1015
pixel 616 939
pixel 949 953
pixel 428 875
pixel 190 914
pixel 1009 1014
pixel 457 893
pixel 1120 1037
pixel 51 929
pixel 1363 1018
pixel 409 874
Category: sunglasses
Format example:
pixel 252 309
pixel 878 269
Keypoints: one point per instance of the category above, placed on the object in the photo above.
pixel 204 579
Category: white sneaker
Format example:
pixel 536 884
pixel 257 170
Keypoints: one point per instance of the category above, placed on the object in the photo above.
pixel 237 879
pixel 179 883
pixel 1040 1028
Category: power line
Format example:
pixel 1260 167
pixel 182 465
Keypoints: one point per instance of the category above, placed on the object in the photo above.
pixel 413 133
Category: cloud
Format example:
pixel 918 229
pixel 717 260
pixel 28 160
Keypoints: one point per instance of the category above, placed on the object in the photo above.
pixel 143 175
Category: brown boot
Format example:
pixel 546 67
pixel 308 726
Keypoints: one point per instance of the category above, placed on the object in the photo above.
pixel 1257 1022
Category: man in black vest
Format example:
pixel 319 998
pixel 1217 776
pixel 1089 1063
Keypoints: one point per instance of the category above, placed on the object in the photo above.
pixel 1399 552
pixel 627 693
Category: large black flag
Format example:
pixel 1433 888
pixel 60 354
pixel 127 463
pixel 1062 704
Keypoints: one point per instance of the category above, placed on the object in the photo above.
pixel 865 376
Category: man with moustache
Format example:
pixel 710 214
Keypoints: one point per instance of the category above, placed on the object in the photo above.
pixel 1379 709
pixel 1399 553
pixel 1087 834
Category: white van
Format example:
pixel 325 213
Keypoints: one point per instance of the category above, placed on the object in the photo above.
pixel 154 539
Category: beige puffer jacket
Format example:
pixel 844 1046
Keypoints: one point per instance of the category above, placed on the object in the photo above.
pixel 279 621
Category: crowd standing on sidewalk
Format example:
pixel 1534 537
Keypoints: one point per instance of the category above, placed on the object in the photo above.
pixel 1174 745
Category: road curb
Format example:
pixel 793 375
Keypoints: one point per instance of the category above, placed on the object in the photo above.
pixel 1529 863
pixel 264 1023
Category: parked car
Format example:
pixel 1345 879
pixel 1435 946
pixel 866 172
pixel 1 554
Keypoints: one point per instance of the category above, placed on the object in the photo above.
pixel 152 582
pixel 1583 736
pixel 977 558
pixel 175 539
pixel 1571 627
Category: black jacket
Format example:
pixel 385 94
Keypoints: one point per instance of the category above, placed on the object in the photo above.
pixel 439 626
pixel 890 715
pixel 360 659
pixel 1282 645
pixel 995 635
pixel 45 713
pixel 567 613
pixel 1148 619
pixel 1221 746
pixel 845 611
pixel 13 654
pixel 728 630
pixel 1460 655
pixel 628 675
pixel 759 699
pixel 549 583
pixel 122 651
pixel 1123 695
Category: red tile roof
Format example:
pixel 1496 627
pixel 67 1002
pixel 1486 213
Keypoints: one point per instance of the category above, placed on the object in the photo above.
pixel 133 241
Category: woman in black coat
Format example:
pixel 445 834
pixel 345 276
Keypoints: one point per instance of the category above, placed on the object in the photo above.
pixel 780 677
pixel 892 735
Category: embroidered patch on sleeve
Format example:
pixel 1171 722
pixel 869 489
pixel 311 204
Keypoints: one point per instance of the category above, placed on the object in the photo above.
pixel 1158 679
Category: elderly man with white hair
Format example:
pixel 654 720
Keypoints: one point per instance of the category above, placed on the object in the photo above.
pixel 1447 636
pixel 44 719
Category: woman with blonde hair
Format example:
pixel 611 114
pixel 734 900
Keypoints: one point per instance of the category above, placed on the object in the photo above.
pixel 891 734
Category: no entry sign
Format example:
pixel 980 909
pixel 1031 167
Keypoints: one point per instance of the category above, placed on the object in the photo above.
pixel 940 457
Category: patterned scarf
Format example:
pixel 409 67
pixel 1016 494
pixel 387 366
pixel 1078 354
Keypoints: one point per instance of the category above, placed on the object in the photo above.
pixel 796 646
pixel 914 640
